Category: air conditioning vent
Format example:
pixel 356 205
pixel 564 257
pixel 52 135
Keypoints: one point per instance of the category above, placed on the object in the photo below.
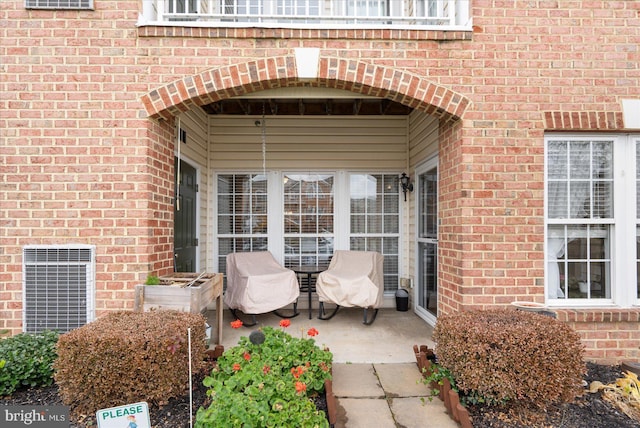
pixel 58 4
pixel 58 286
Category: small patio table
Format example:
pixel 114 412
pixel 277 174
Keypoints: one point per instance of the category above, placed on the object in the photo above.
pixel 309 271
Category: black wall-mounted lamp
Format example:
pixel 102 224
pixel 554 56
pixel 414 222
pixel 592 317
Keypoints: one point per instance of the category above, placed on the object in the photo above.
pixel 405 181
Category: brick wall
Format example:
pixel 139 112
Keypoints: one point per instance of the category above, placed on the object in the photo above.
pixel 83 163
pixel 608 334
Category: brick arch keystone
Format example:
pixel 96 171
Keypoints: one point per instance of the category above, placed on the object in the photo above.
pixel 352 75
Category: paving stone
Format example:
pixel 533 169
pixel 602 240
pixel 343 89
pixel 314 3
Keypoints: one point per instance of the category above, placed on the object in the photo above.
pixel 401 380
pixel 356 381
pixel 412 412
pixel 364 413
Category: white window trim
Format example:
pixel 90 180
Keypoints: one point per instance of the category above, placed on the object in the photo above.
pixel 55 5
pixel 623 251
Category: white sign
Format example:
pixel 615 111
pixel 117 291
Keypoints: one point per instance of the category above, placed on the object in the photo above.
pixel 129 416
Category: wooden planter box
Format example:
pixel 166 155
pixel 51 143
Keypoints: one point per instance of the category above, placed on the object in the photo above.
pixel 183 292
pixel 177 292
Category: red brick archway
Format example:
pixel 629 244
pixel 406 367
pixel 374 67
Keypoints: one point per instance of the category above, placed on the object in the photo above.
pixel 349 74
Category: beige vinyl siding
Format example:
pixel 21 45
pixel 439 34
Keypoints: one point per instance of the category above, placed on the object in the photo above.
pixel 423 145
pixel 194 152
pixel 309 142
pixel 423 138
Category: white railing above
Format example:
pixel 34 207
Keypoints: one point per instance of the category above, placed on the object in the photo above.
pixel 324 14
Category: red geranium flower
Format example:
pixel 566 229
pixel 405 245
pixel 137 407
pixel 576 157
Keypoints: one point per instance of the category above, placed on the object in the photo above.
pixel 285 323
pixel 301 387
pixel 236 367
pixel 266 369
pixel 312 332
pixel 236 324
pixel 297 371
pixel 247 356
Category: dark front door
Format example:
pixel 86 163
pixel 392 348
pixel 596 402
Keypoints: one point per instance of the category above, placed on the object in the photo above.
pixel 184 229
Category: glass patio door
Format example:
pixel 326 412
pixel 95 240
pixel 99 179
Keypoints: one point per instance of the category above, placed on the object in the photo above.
pixel 426 297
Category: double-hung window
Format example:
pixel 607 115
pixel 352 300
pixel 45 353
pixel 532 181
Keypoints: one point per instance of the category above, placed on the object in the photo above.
pixel 242 214
pixel 592 219
pixel 375 220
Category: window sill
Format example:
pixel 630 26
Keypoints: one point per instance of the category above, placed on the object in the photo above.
pixel 612 314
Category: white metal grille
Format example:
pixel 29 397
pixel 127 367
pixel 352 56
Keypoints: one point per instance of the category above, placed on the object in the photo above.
pixel 441 14
pixel 58 284
pixel 58 4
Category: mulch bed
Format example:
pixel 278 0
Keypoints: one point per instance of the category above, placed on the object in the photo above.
pixel 589 411
pixel 175 414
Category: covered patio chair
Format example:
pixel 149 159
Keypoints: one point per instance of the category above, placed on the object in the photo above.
pixel 353 279
pixel 257 284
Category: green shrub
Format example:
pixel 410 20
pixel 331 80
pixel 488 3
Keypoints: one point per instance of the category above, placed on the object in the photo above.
pixel 152 280
pixel 126 357
pixel 266 381
pixel 26 360
pixel 502 354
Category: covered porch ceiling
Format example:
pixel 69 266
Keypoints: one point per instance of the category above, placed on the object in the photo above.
pixel 302 101
pixel 307 107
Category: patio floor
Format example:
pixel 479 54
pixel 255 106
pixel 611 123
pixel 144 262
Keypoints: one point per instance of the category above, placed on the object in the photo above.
pixel 389 339
pixel 376 379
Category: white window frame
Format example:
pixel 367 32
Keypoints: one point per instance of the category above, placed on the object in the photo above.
pixel 330 236
pixel 384 236
pixel 622 247
pixel 633 249
pixel 59 4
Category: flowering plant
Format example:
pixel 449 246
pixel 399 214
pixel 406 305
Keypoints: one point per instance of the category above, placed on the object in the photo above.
pixel 268 379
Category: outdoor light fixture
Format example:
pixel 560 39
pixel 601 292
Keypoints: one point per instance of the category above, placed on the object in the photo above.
pixel 405 181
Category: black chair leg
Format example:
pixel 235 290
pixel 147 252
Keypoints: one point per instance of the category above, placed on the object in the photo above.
pixel 321 315
pixel 295 312
pixel 373 318
pixel 237 317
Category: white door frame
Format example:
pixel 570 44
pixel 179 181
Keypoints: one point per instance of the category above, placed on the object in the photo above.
pixel 421 312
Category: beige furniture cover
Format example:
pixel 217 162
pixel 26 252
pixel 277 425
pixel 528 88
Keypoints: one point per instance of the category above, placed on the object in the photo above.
pixel 354 278
pixel 257 283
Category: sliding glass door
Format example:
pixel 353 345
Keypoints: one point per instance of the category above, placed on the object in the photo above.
pixel 426 296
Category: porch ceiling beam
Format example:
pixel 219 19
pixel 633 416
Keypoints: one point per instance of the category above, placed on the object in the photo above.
pixel 244 106
pixel 384 106
pixel 357 104
pixel 328 106
pixel 273 106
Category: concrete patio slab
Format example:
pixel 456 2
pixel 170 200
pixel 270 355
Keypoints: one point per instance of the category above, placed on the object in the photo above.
pixel 389 339
pixel 356 381
pixel 364 413
pixel 401 380
pixel 412 412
